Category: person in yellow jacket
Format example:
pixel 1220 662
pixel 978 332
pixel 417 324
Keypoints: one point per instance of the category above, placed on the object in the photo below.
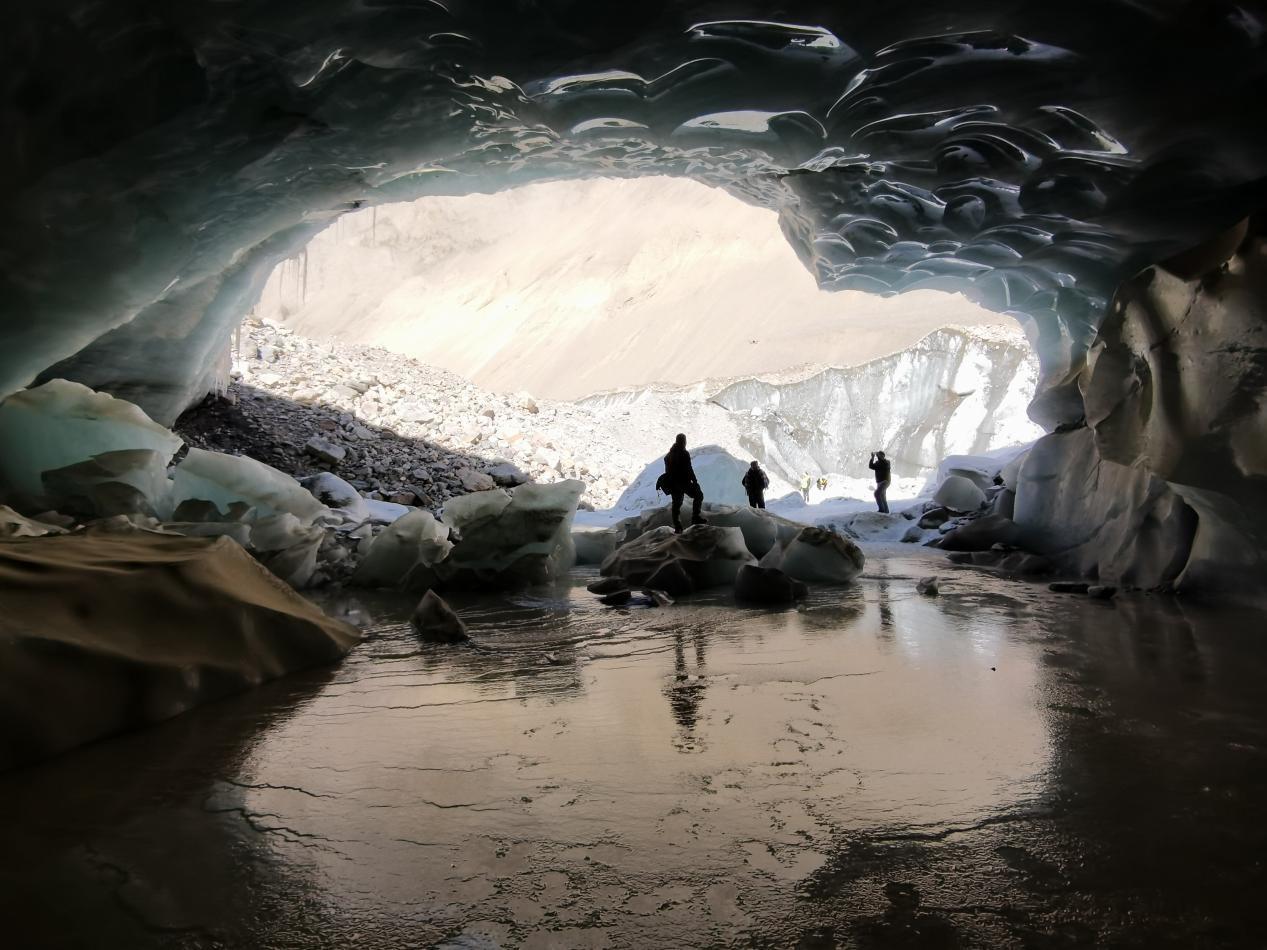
pixel 805 483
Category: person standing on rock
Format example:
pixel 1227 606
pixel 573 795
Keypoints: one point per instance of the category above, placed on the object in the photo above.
pixel 755 482
pixel 880 465
pixel 805 483
pixel 680 480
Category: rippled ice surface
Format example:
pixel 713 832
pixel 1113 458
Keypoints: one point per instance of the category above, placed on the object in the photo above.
pixel 998 766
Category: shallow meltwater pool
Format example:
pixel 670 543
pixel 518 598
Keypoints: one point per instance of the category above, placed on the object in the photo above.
pixel 999 766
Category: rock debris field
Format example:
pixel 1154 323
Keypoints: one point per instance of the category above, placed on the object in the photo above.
pixel 401 431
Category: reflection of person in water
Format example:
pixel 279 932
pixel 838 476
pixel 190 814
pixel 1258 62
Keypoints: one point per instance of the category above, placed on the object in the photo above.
pixel 886 607
pixel 686 692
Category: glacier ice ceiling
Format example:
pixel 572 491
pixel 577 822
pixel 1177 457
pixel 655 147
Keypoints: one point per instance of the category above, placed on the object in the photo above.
pixel 162 158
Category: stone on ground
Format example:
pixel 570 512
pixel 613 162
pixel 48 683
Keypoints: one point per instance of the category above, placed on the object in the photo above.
pixel 473 481
pixel 507 474
pixel 607 585
pixel 323 450
pixel 435 621
pixel 336 494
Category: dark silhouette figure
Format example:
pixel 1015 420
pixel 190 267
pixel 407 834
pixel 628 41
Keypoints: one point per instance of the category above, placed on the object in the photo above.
pixel 688 689
pixel 755 482
pixel 880 465
pixel 680 481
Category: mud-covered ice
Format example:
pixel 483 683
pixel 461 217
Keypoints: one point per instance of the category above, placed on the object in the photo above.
pixel 999 766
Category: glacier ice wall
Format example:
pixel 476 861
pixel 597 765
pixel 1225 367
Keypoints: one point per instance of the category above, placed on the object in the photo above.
pixel 957 391
pixel 1166 483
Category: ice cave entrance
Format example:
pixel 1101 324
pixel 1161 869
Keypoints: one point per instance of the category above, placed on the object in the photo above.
pixel 674 301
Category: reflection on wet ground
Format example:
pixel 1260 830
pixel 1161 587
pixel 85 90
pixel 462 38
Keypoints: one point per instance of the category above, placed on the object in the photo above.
pixel 995 767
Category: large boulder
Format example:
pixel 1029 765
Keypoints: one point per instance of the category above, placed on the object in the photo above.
pixel 507 474
pixel 959 493
pixel 336 494
pixel 982 534
pixel 817 555
pixel 142 626
pixel 707 555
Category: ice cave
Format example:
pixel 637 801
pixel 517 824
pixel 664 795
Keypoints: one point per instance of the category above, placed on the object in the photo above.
pixel 342 598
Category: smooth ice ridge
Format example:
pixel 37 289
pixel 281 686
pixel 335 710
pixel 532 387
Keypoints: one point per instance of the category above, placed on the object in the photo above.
pixel 930 153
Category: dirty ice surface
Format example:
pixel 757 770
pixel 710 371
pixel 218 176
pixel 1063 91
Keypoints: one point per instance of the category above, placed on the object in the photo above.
pixel 997 766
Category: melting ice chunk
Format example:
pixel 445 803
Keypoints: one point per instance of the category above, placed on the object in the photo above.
pixel 112 483
pixel 405 554
pixel 225 479
pixel 61 423
pixel 817 554
pixel 516 536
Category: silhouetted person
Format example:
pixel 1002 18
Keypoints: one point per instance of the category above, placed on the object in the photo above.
pixel 680 480
pixel 755 482
pixel 880 465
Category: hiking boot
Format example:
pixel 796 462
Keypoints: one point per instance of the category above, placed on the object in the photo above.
pixel 695 521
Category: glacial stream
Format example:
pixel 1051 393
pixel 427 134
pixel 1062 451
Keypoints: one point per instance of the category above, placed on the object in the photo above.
pixel 997 766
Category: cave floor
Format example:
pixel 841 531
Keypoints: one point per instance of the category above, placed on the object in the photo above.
pixel 999 766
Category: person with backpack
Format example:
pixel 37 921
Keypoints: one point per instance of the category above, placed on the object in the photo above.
pixel 679 481
pixel 755 482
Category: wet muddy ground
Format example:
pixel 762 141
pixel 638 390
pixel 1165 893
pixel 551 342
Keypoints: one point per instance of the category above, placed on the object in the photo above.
pixel 999 766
